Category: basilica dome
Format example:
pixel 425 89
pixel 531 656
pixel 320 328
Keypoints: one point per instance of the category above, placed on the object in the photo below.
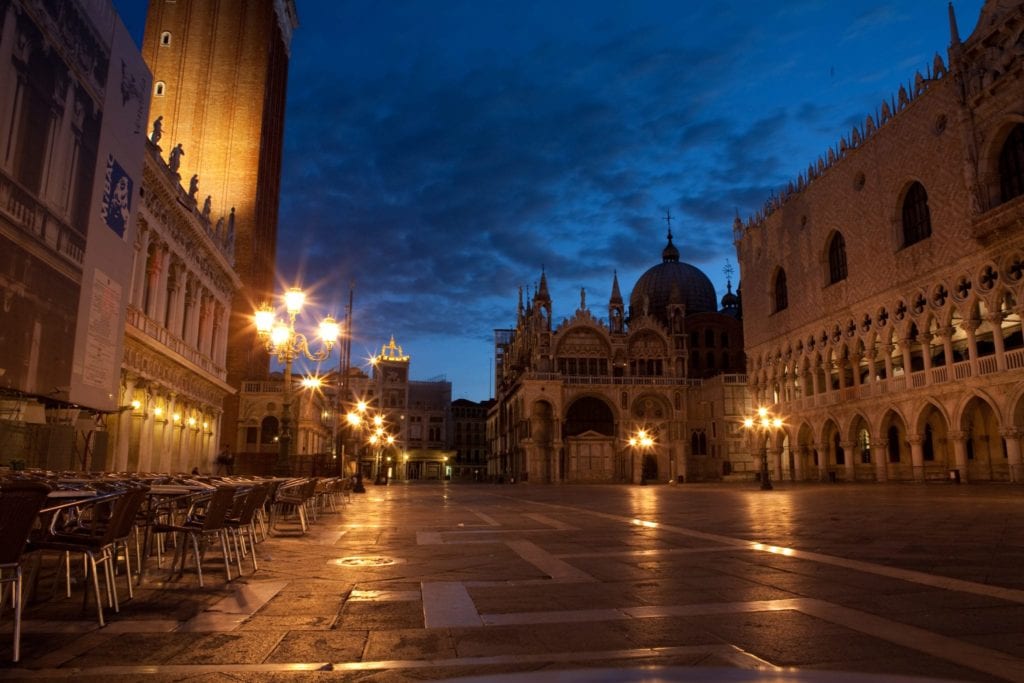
pixel 672 281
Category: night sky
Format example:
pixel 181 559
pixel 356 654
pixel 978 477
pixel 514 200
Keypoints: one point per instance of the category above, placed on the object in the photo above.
pixel 439 153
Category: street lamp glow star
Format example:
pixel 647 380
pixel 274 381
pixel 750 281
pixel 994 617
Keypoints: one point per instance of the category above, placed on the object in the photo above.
pixel 765 423
pixel 281 340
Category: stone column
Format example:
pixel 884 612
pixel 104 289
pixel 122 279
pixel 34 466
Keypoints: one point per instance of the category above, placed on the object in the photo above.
pixel 124 425
pixel 153 267
pixel 946 334
pixel 881 454
pixel 908 360
pixel 850 461
pixel 917 456
pixel 888 348
pixel 823 460
pixel 996 321
pixel 926 355
pixel 775 463
pixel 159 296
pixel 959 440
pixel 1013 457
pixel 141 256
pixel 970 328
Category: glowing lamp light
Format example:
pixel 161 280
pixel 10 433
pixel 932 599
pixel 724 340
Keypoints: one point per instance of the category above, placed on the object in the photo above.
pixel 264 319
pixel 136 404
pixel 329 330
pixel 378 420
pixel 311 382
pixel 294 298
pixel 280 334
pixel 158 411
pixel 191 422
pixel 353 419
pixel 176 417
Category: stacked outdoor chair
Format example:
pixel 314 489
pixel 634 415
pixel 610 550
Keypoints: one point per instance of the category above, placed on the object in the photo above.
pixel 201 523
pixel 20 502
pixel 103 525
pixel 241 523
pixel 294 496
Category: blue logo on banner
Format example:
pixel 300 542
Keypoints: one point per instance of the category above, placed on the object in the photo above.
pixel 117 197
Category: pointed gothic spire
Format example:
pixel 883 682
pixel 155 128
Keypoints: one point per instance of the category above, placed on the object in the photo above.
pixel 954 34
pixel 616 297
pixel 542 289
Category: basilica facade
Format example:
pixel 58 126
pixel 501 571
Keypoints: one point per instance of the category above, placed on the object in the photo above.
pixel 883 288
pixel 574 400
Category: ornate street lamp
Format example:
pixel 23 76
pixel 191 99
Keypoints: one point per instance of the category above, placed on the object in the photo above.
pixel 766 424
pixel 281 340
pixel 643 441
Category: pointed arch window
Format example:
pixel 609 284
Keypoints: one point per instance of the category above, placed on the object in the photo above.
pixel 917 218
pixel 836 259
pixel 1011 165
pixel 780 291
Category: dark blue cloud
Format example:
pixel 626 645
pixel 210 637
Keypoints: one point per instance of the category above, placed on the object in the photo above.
pixel 441 153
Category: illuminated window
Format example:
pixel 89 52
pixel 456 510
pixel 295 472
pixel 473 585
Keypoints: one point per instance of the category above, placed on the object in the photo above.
pixel 158 89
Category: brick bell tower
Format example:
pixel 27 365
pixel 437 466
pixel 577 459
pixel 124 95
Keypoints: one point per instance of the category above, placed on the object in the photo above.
pixel 220 73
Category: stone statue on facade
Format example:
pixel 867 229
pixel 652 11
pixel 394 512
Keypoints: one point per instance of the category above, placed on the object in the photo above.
pixel 174 159
pixel 193 186
pixel 207 207
pixel 157 133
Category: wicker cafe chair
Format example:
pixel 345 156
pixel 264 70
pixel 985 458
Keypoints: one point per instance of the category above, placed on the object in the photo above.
pixel 20 501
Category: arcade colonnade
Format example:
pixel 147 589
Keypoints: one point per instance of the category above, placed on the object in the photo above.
pixel 928 396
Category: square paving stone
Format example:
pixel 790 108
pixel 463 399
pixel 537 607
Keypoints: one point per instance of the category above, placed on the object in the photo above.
pixel 129 648
pixel 236 647
pixel 327 646
pixel 409 644
pixel 362 615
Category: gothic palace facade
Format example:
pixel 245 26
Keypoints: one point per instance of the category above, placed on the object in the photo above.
pixel 883 289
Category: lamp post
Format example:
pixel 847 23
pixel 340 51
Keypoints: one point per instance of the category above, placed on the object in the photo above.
pixel 281 340
pixel 765 423
pixel 362 418
pixel 644 441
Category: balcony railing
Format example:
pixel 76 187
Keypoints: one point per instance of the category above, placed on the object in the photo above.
pixel 32 217
pixel 941 375
pixel 163 336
